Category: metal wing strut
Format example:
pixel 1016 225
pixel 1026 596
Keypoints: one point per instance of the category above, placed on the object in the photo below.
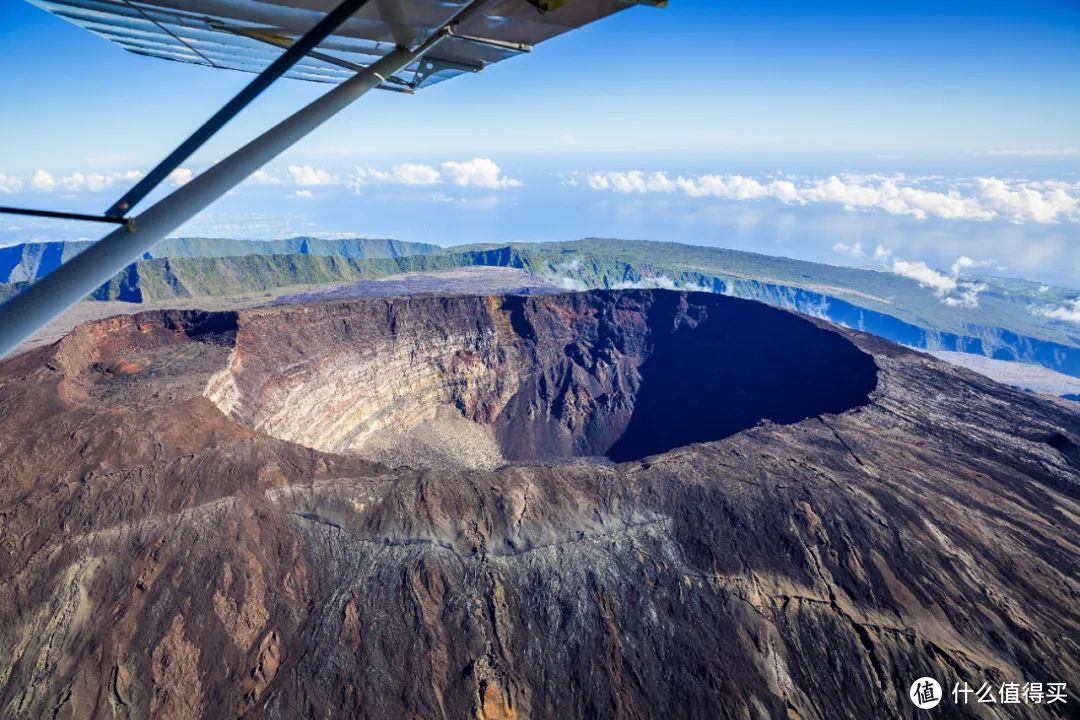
pixel 47 298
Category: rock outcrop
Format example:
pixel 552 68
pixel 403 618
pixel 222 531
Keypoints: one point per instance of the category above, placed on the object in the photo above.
pixel 630 504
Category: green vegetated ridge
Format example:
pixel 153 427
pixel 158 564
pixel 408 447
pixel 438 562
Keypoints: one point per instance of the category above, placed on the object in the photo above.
pixel 29 261
pixel 1005 324
pixel 183 277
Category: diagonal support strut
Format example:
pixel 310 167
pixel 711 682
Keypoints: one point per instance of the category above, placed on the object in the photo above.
pixel 231 109
pixel 47 298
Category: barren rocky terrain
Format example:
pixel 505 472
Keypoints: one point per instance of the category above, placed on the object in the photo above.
pixel 467 280
pixel 608 505
pixel 1022 375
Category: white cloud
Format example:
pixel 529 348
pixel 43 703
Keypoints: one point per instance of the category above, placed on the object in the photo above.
pixel 303 194
pixel 479 172
pixel 657 281
pixel 98 181
pixel 925 275
pixel 968 296
pixel 980 200
pixel 1021 202
pixel 964 262
pixel 125 178
pixel 1069 312
pixel 738 187
pixel 181 176
pixel 94 182
pixel 634 182
pixel 855 249
pixel 43 180
pixel 410 174
pixel 951 289
pixel 308 176
pixel 568 283
pixel 262 177
pixel 9 183
pixel 402 174
pixel 661 281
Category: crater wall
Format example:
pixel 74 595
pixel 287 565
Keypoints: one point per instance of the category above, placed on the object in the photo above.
pixel 488 380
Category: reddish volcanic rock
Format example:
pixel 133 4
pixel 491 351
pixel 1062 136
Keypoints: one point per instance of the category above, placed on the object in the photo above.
pixel 802 519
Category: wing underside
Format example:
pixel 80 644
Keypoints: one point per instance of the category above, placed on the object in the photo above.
pixel 248 35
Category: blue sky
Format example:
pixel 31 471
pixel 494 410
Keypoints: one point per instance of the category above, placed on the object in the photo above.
pixel 952 129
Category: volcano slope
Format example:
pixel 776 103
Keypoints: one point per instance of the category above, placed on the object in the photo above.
pixel 607 504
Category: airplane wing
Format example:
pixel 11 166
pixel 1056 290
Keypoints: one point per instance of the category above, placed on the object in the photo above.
pixel 248 35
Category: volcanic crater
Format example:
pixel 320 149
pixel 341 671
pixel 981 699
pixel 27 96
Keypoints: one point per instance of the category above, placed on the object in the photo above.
pixel 473 382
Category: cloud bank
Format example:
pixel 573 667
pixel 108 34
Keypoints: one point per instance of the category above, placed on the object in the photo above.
pixel 978 199
pixel 44 181
pixel 478 172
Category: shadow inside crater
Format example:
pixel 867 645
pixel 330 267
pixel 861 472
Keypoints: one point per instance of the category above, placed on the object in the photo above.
pixel 707 369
